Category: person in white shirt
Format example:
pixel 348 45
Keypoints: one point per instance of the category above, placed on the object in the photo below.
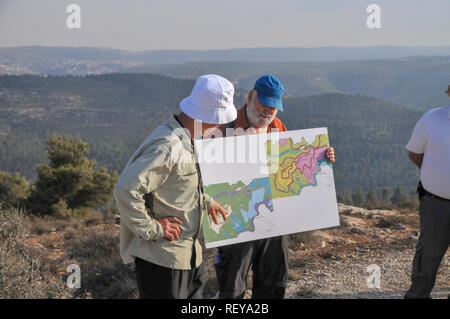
pixel 429 149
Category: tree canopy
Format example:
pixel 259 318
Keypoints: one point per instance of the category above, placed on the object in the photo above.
pixel 69 182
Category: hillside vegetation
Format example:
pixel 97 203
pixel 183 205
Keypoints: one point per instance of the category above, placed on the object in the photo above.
pixel 411 76
pixel 115 112
pixel 415 82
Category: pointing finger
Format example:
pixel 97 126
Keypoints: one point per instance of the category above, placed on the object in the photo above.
pixel 223 212
pixel 213 216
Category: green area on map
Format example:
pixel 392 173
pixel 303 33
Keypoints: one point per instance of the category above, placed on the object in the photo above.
pixel 242 201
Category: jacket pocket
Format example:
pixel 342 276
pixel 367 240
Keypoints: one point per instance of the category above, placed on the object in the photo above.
pixel 186 169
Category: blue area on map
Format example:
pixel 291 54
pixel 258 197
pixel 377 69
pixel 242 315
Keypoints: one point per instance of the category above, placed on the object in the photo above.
pixel 237 224
pixel 257 197
pixel 260 182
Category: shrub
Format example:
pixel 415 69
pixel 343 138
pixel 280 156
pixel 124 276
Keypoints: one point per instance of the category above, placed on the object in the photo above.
pixel 96 249
pixel 14 189
pixel 25 272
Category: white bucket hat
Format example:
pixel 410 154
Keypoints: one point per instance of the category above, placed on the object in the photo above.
pixel 211 100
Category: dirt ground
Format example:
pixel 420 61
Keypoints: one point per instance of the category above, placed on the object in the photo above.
pixel 328 263
pixel 333 263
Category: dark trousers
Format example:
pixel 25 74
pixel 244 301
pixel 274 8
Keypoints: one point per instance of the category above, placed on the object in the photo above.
pixel 432 245
pixel 157 282
pixel 268 259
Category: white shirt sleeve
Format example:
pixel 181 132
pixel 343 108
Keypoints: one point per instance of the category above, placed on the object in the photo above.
pixel 418 141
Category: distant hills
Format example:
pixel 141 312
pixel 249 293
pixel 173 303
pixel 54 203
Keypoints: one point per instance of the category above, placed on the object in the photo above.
pixel 411 76
pixel 115 112
pixel 37 57
pixel 416 82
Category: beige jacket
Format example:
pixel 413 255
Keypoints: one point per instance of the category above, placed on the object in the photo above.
pixel 164 167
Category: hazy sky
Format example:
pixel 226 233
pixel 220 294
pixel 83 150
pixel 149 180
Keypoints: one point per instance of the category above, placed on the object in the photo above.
pixel 211 24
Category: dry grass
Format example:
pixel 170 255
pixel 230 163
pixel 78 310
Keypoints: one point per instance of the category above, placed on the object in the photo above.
pixel 94 245
pixel 397 221
pixel 300 240
pixel 25 271
pixel 35 253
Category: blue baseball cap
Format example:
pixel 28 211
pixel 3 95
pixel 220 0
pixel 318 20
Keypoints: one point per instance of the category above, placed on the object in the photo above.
pixel 270 91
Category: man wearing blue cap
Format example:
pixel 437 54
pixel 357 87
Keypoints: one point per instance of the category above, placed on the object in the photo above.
pixel 267 257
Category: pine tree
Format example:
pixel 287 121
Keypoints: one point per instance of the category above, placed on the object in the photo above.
pixel 14 189
pixel 400 198
pixel 69 182
pixel 359 197
pixel 386 195
pixel 347 197
pixel 372 196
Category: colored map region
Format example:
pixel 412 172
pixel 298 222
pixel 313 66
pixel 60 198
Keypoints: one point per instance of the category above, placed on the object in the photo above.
pixel 293 166
pixel 242 203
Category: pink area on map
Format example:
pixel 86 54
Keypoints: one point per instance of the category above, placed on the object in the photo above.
pixel 306 162
pixel 282 141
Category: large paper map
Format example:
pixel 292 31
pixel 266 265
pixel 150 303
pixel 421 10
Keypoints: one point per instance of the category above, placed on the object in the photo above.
pixel 289 189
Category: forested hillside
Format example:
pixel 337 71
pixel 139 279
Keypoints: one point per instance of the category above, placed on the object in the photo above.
pixel 415 77
pixel 415 82
pixel 369 137
pixel 115 112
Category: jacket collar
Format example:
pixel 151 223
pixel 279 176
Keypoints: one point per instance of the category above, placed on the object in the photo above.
pixel 179 130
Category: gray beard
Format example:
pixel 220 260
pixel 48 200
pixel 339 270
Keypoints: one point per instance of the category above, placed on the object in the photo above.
pixel 257 119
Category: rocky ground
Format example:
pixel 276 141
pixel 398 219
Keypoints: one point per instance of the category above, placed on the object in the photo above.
pixel 341 266
pixel 333 263
pixel 328 263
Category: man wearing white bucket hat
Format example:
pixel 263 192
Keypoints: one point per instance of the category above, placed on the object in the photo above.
pixel 160 197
